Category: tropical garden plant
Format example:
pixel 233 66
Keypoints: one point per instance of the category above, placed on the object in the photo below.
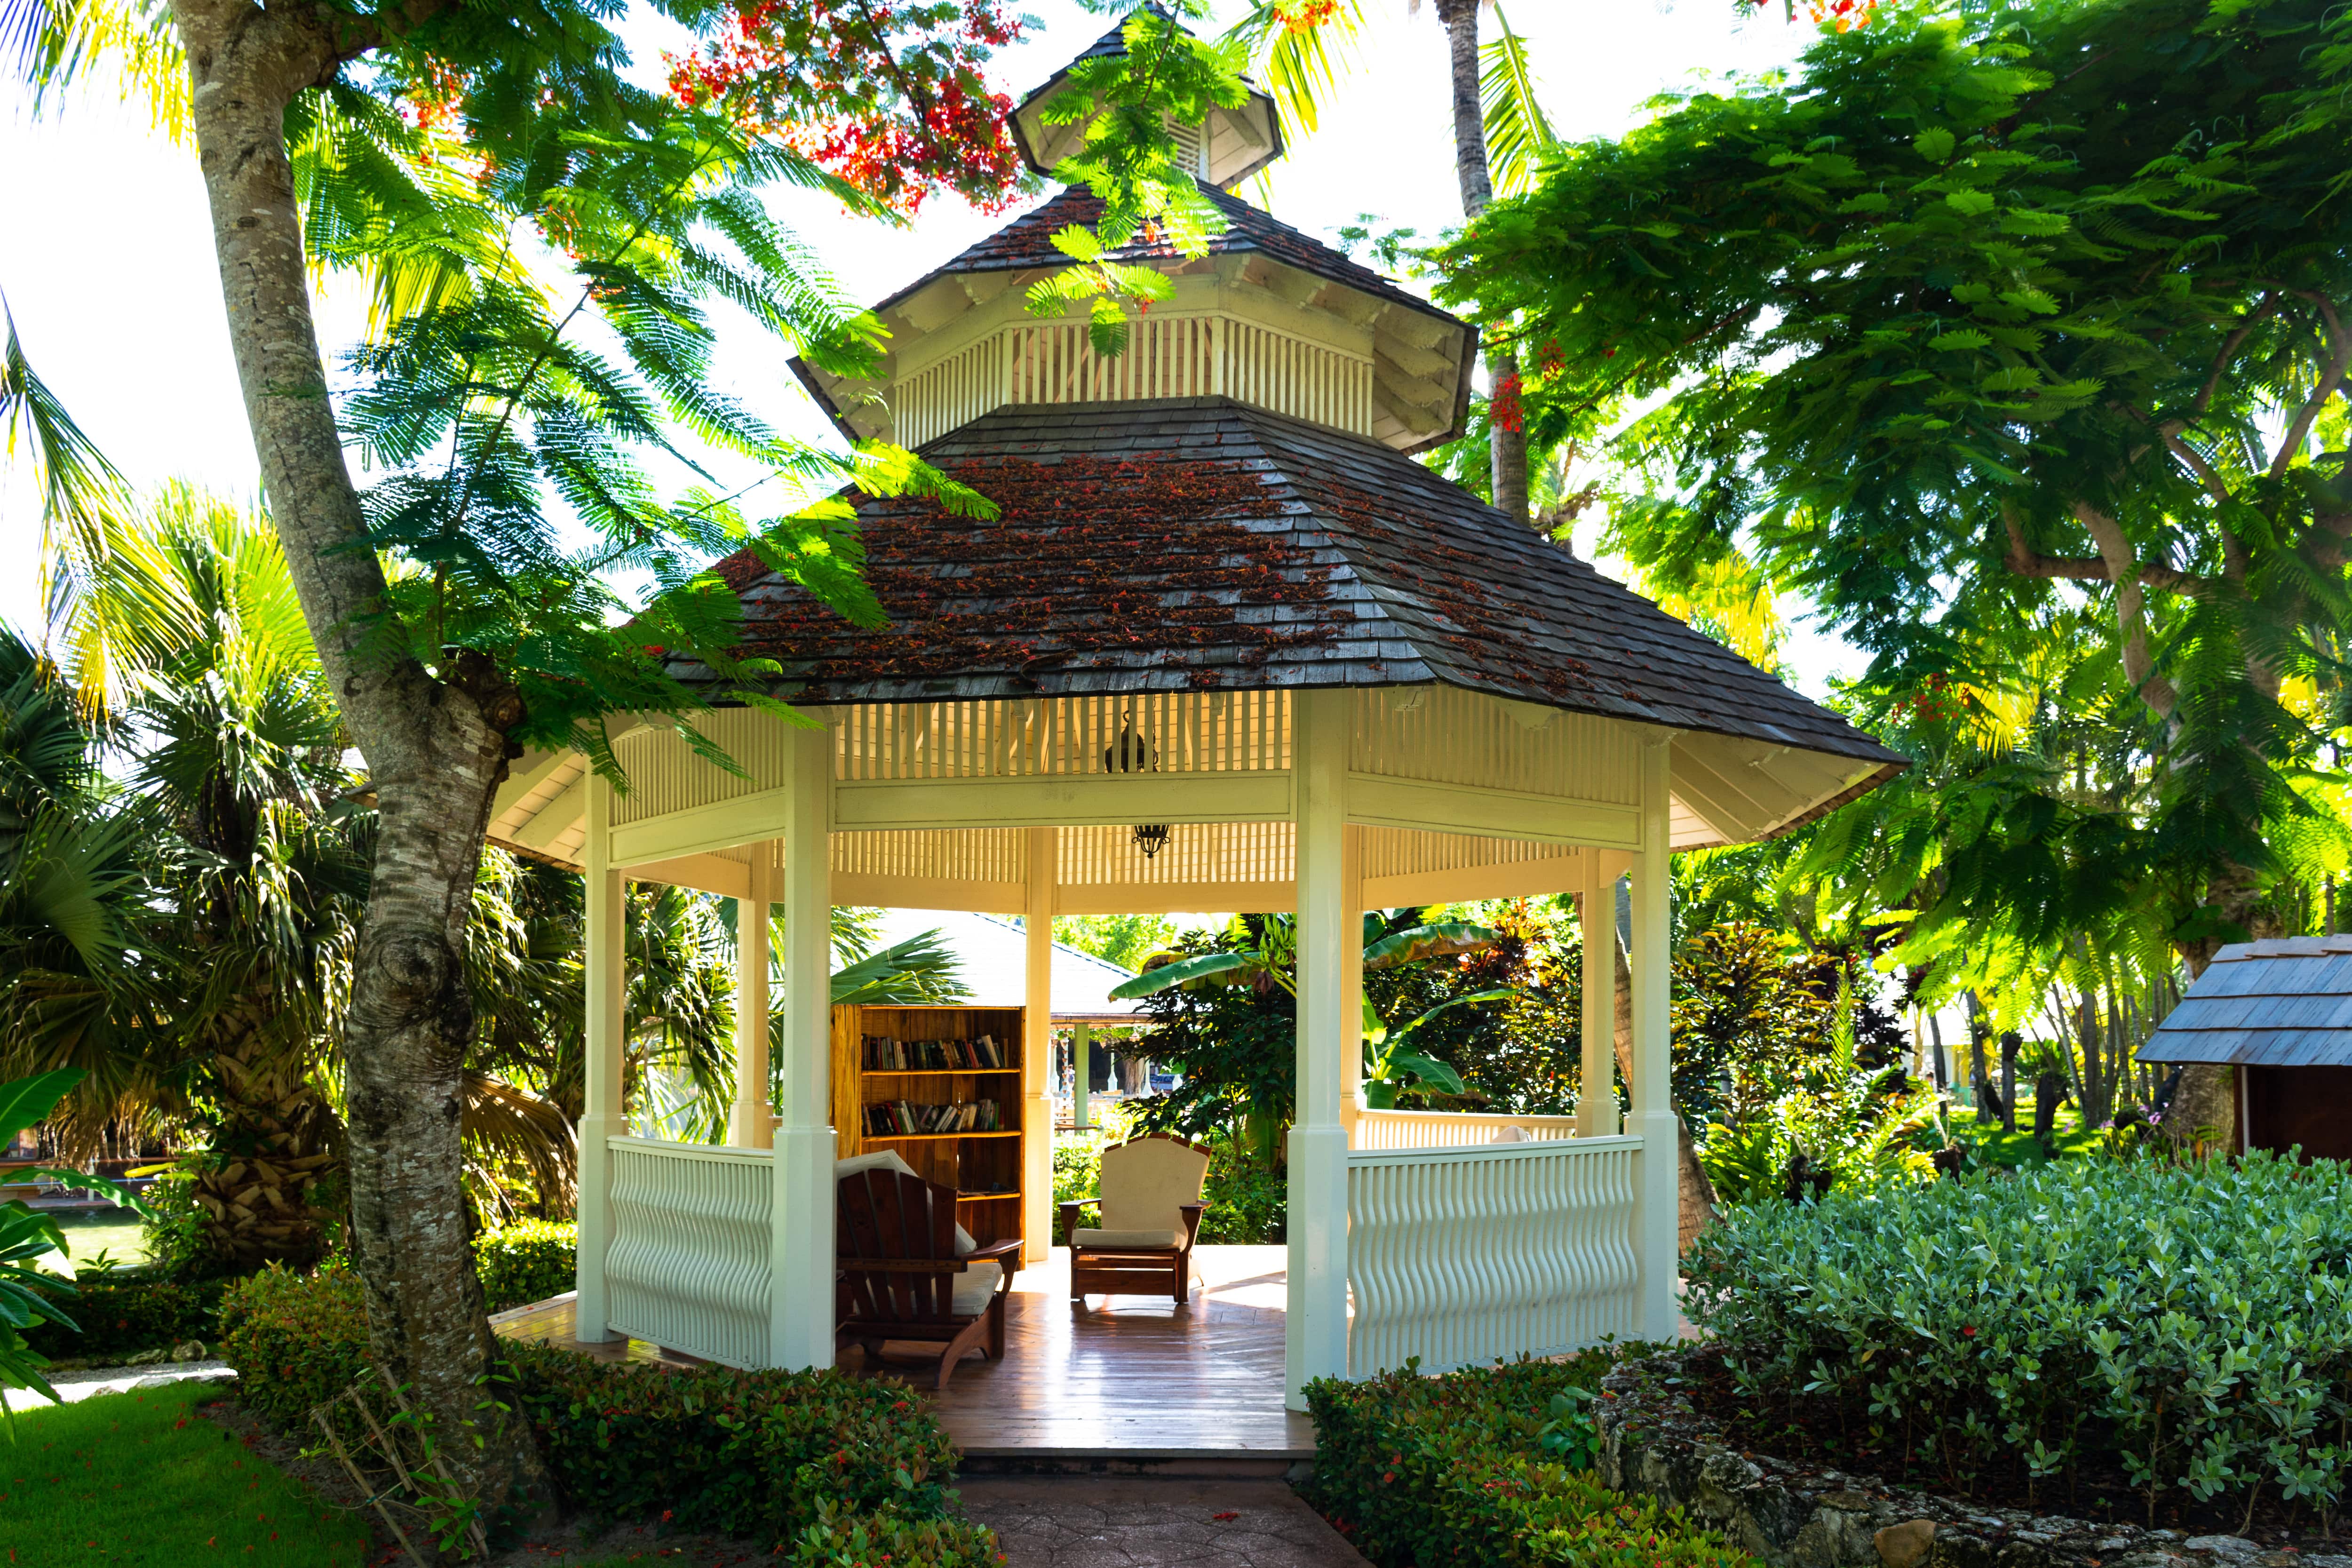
pixel 503 184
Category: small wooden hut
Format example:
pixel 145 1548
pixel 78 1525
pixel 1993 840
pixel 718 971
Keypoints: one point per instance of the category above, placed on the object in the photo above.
pixel 2278 1016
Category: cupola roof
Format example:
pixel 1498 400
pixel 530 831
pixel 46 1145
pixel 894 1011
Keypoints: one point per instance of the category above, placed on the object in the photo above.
pixel 1270 316
pixel 1234 145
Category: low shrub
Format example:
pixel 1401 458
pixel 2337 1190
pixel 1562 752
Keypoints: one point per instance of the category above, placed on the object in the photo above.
pixel 296 1340
pixel 125 1313
pixel 1249 1203
pixel 1489 1466
pixel 825 1466
pixel 2187 1331
pixel 525 1262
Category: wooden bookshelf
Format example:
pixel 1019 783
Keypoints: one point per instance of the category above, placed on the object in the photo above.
pixel 982 1165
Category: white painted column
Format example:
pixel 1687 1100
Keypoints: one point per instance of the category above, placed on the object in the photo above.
pixel 1043 872
pixel 1596 1106
pixel 1657 1219
pixel 1082 1047
pixel 799 1268
pixel 601 1118
pixel 1351 983
pixel 1316 1325
pixel 753 1123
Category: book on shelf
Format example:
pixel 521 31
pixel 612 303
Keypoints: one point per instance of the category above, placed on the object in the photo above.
pixel 899 1118
pixel 880 1053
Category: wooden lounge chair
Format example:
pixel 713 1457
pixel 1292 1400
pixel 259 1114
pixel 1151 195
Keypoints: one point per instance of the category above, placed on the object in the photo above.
pixel 901 1278
pixel 1151 1203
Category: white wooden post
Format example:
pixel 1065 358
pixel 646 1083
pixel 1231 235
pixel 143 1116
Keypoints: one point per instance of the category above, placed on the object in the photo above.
pixel 1351 984
pixel 1596 1106
pixel 1316 1325
pixel 601 1118
pixel 1037 1048
pixel 800 1266
pixel 1082 1047
pixel 1657 1220
pixel 754 1120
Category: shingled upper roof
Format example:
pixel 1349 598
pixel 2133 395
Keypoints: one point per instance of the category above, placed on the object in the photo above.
pixel 1204 544
pixel 1027 242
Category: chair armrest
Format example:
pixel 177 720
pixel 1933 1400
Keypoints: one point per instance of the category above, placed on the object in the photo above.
pixel 1069 1212
pixel 1193 1213
pixel 1005 1254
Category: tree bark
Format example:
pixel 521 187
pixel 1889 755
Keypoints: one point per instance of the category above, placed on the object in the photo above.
pixel 434 745
pixel 1507 447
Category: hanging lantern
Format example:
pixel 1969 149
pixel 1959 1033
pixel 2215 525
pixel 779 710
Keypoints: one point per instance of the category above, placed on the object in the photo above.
pixel 1131 754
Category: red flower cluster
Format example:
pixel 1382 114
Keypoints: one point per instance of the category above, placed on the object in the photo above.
pixel 1305 15
pixel 1934 701
pixel 887 96
pixel 1504 406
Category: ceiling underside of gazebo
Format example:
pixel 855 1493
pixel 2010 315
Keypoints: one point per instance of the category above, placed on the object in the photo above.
pixel 1455 794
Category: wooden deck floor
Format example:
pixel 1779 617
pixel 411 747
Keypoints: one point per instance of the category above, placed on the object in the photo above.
pixel 1127 1377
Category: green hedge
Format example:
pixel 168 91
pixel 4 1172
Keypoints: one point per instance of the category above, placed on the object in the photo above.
pixel 1422 1471
pixel 837 1470
pixel 2191 1327
pixel 122 1313
pixel 526 1262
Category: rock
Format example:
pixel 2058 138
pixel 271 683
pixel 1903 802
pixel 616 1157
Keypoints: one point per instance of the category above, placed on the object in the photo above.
pixel 2226 1545
pixel 161 1380
pixel 1906 1545
pixel 146 1358
pixel 193 1350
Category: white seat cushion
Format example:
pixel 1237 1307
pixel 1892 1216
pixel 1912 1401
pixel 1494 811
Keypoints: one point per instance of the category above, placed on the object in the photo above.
pixel 974 1287
pixel 889 1160
pixel 1122 1238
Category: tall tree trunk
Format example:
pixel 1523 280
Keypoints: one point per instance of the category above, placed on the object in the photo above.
pixel 273 1145
pixel 2009 1045
pixel 1508 438
pixel 434 746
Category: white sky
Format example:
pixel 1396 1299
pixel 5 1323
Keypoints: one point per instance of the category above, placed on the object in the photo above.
pixel 105 258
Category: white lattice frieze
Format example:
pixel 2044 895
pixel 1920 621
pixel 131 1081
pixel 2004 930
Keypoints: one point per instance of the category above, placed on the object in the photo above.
pixel 1214 354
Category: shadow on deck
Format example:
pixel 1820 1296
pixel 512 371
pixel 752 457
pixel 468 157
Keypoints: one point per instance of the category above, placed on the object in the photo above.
pixel 1124 1382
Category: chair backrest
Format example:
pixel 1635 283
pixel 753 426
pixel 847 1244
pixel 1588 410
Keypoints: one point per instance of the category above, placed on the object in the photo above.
pixel 887 1221
pixel 1146 1182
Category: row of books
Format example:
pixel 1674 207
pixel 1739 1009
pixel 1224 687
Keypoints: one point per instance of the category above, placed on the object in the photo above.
pixel 885 1055
pixel 899 1117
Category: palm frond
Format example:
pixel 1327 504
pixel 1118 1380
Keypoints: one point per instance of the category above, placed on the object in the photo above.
pixel 1518 135
pixel 55 46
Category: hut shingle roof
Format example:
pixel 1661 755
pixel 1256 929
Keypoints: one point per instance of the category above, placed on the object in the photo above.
pixel 1203 544
pixel 2285 1003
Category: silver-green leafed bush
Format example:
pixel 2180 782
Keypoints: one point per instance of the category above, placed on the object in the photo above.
pixel 2191 1327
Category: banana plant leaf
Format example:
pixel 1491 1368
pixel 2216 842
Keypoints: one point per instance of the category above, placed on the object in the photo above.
pixel 26 1100
pixel 1414 943
pixel 1396 1072
pixel 1241 967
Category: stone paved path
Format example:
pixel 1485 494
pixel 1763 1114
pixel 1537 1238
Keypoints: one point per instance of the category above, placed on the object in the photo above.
pixel 1083 1522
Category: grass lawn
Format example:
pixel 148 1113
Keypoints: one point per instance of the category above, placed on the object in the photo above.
pixel 114 1232
pixel 1987 1144
pixel 142 1478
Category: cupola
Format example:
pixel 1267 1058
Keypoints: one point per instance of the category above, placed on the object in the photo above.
pixel 1270 317
pixel 1231 146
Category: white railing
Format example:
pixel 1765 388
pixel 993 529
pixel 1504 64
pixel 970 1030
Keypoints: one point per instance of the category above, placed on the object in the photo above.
pixel 1461 1256
pixel 687 1267
pixel 1452 1129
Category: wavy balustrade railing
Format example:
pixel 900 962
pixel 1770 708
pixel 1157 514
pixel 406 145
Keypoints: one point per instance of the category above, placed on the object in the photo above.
pixel 1450 1129
pixel 687 1267
pixel 1460 1256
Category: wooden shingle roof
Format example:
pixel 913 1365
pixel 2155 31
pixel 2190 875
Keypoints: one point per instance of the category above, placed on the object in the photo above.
pixel 2285 1003
pixel 1204 544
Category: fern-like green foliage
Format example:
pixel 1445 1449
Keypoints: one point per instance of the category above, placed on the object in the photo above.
pixel 1984 330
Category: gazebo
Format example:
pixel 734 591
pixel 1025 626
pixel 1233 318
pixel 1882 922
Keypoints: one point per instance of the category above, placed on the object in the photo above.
pixel 1228 646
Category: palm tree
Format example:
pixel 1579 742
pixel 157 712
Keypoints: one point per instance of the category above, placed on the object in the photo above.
pixel 180 627
pixel 1302 51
